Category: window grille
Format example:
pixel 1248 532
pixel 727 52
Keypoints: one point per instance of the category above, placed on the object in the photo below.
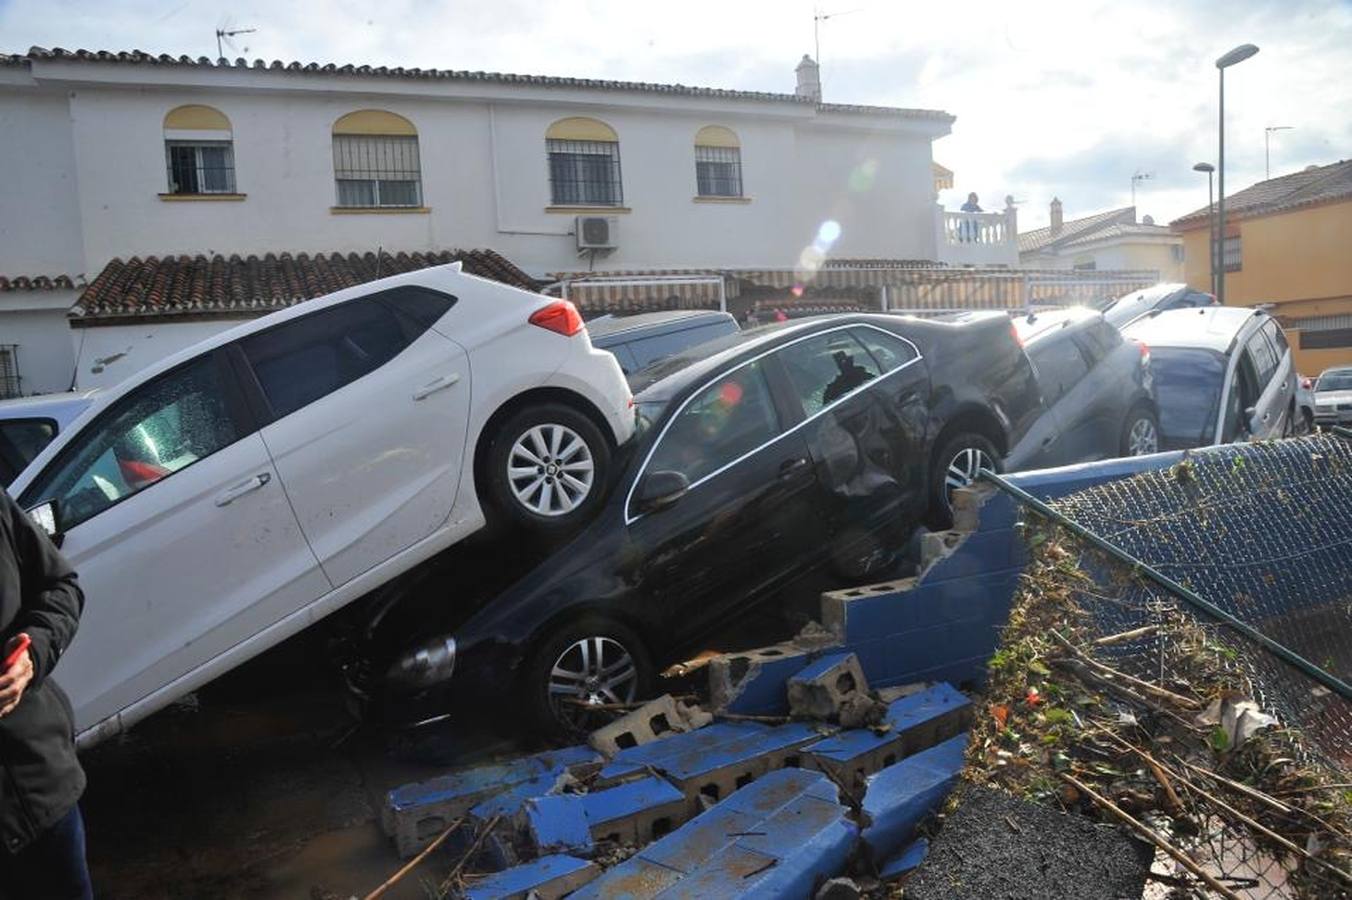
pixel 1230 254
pixel 377 170
pixel 584 172
pixel 718 171
pixel 200 167
pixel 9 371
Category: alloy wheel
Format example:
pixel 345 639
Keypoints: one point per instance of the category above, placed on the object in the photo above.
pixel 1143 438
pixel 551 470
pixel 592 671
pixel 963 469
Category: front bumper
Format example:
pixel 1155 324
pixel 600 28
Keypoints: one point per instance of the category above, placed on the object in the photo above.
pixel 1327 416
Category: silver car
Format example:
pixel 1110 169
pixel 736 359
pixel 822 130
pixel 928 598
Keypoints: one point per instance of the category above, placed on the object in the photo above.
pixel 1333 397
pixel 28 424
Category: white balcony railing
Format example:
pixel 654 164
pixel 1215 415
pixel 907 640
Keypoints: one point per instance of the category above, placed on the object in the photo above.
pixel 976 239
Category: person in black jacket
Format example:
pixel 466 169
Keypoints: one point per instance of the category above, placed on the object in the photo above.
pixel 42 843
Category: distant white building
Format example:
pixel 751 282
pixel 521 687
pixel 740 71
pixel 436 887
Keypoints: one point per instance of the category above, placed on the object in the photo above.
pixel 110 156
pixel 1111 240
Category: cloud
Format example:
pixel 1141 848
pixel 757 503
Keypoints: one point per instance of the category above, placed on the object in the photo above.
pixel 1054 99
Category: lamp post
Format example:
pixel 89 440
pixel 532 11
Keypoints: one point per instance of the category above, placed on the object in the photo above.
pixel 1208 168
pixel 1237 55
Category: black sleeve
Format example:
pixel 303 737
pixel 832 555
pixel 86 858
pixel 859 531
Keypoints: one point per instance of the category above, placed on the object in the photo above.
pixel 50 599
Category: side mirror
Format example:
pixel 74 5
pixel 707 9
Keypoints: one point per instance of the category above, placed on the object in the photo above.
pixel 47 516
pixel 659 490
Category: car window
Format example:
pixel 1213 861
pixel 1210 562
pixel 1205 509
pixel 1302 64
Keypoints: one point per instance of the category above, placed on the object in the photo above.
pixel 20 441
pixel 826 367
pixel 422 305
pixel 650 349
pixel 158 429
pixel 888 351
pixel 1334 381
pixel 1191 388
pixel 304 359
pixel 1244 391
pixel 721 424
pixel 1098 340
pixel 1059 365
pixel 1277 338
pixel 1263 357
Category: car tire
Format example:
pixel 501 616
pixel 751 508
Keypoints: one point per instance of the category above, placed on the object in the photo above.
pixel 571 458
pixel 621 672
pixel 1140 432
pixel 957 460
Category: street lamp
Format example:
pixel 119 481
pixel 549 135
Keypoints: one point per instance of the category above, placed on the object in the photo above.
pixel 1237 55
pixel 1208 168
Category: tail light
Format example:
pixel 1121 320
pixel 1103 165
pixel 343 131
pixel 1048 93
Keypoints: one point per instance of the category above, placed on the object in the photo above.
pixel 1145 349
pixel 560 316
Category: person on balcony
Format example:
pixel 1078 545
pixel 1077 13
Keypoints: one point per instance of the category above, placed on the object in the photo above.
pixel 971 228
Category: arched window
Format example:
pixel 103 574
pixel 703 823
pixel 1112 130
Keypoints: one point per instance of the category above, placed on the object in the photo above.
pixel 584 163
pixel 375 160
pixel 199 151
pixel 718 162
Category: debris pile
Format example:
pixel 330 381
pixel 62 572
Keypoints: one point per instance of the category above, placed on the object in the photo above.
pixel 1154 730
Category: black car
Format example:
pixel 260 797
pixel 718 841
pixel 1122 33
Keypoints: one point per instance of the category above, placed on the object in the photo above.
pixel 759 456
pixel 1097 391
pixel 640 340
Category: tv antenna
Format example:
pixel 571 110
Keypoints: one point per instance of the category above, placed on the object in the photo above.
pixel 1267 147
pixel 226 34
pixel 1138 177
pixel 818 17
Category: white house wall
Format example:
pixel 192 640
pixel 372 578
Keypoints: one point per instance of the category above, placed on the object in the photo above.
pixel 108 354
pixel 36 322
pixel 485 180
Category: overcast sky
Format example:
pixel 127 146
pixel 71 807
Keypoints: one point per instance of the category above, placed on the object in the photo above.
pixel 1065 99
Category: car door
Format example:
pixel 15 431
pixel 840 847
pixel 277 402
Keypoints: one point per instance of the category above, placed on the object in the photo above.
pixel 748 519
pixel 367 408
pixel 862 393
pixel 1061 368
pixel 1283 379
pixel 1266 408
pixel 1111 386
pixel 173 514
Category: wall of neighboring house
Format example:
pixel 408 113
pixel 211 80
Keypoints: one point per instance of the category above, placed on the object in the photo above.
pixel 35 323
pixel 1298 260
pixel 1157 256
pixel 39 191
pixel 107 354
pixel 485 181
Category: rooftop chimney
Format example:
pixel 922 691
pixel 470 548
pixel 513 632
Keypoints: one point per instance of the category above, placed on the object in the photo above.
pixel 809 79
pixel 1056 216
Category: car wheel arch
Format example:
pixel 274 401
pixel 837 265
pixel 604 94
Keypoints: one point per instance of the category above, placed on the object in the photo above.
pixel 523 400
pixel 972 418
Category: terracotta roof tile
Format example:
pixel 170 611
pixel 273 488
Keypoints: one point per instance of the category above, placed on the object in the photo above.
pixel 36 283
pixel 1317 184
pixel 1042 238
pixel 253 285
pixel 138 57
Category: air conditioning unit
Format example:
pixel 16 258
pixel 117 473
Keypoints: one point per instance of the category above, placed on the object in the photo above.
pixel 597 232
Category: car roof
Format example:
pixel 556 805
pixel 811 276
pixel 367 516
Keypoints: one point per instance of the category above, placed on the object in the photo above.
pixel 1031 328
pixel 1207 327
pixel 1336 370
pixel 64 407
pixel 675 319
pixel 669 377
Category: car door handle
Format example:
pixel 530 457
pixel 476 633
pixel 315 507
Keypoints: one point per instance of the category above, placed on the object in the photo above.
pixel 790 466
pixel 231 494
pixel 1048 439
pixel 436 384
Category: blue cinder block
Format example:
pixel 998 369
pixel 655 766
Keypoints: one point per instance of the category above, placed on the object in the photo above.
pixel 762 693
pixel 558 824
pixel 806 836
pixel 900 797
pixel 629 810
pixel 633 760
pixel 906 861
pixel 549 876
pixel 982 552
pixel 509 802
pixel 819 667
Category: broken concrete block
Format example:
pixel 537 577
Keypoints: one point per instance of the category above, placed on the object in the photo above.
pixel 634 812
pixel 775 838
pixel 640 760
pixel 820 689
pixel 914 723
pixel 737 763
pixel 904 862
pixel 752 683
pixel 839 889
pixel 660 717
pixel 548 878
pixel 416 813
pixel 902 796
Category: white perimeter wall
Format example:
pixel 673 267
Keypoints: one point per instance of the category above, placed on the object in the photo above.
pixel 36 322
pixel 108 354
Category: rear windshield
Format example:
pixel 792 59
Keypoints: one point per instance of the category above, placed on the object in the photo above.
pixel 1334 381
pixel 1188 390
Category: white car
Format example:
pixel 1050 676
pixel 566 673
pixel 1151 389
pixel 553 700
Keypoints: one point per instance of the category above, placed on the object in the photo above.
pixel 228 496
pixel 27 424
